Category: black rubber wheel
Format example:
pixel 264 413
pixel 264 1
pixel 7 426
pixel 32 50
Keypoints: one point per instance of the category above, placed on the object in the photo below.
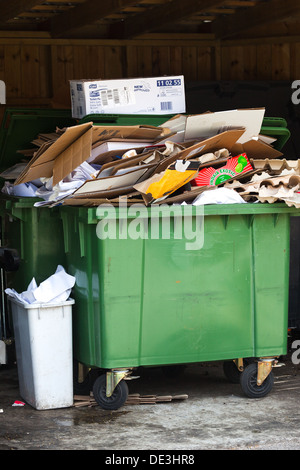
pixel 249 385
pixel 118 397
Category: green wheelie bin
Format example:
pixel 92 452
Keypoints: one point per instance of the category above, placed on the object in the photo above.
pixel 36 233
pixel 146 296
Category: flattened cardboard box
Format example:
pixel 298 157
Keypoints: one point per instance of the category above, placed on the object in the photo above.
pixel 116 182
pixel 210 124
pixel 140 133
pixel 60 158
pixel 206 125
pixel 108 151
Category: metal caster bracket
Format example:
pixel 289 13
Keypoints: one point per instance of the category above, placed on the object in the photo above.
pixel 240 364
pixel 115 376
pixel 264 368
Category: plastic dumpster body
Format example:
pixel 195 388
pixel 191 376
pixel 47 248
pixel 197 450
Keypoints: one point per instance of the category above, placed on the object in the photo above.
pixel 36 233
pixel 147 301
pixel 20 126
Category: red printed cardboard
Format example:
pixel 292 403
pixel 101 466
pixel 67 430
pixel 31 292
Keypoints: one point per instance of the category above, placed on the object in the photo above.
pixel 213 177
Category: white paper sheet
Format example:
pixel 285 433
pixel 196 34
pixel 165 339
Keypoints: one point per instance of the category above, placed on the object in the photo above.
pixel 209 124
pixel 56 288
pixel 219 196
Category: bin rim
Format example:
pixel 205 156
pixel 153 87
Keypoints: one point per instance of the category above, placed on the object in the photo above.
pixel 91 215
pixel 41 305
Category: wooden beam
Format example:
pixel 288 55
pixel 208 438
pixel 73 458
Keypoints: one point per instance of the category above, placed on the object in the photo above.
pixel 84 14
pixel 263 13
pixel 154 18
pixel 10 9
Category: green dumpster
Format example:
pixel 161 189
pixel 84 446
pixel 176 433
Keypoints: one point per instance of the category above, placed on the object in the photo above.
pixel 36 233
pixel 147 300
pixel 20 126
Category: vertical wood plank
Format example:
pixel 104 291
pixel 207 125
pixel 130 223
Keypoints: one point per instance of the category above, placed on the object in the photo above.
pixel 144 61
pixel 45 72
pixel 224 63
pixel 55 70
pixel 113 62
pixel 295 61
pixel 189 63
pixel 12 67
pixel 204 63
pixel 62 61
pixel 264 62
pixel 2 69
pixel 216 62
pixel 131 62
pixel 30 80
pixel 176 60
pixel 160 61
pixel 94 62
pixel 88 62
pixel 281 62
pixel 236 63
pixel 250 62
pixel 80 62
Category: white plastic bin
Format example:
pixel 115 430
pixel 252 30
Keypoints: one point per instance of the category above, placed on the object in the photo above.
pixel 43 339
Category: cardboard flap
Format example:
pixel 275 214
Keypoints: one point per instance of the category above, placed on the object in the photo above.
pixel 114 182
pixel 225 140
pixel 71 149
pixel 144 158
pixel 256 149
pixel 208 124
pixel 144 133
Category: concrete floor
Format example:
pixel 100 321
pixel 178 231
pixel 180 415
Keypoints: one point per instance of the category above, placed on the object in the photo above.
pixel 215 416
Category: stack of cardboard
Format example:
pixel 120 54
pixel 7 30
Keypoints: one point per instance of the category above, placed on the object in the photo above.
pixel 274 181
pixel 172 163
pixel 133 399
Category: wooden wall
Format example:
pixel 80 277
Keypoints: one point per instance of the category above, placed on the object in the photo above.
pixel 36 72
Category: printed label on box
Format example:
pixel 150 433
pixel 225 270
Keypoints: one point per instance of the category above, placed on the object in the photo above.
pixel 105 97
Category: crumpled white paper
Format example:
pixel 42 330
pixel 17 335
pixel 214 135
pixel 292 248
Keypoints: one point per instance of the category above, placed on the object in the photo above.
pixel 55 289
pixel 43 187
pixel 66 187
pixel 21 190
pixel 219 196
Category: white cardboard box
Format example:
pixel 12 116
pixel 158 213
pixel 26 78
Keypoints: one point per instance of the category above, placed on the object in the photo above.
pixel 154 95
pixel 43 340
